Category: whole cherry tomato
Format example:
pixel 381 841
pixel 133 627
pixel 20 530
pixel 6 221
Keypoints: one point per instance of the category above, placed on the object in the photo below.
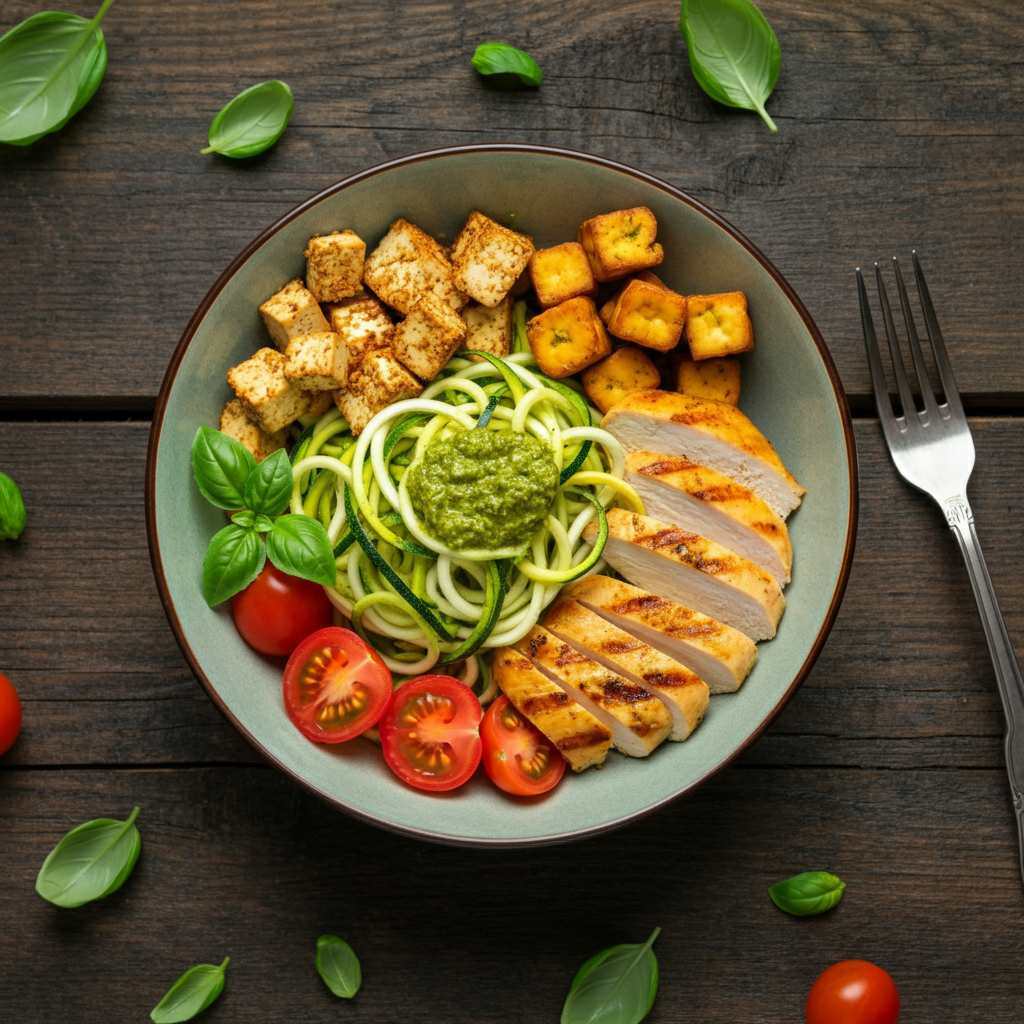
pixel 10 714
pixel 853 992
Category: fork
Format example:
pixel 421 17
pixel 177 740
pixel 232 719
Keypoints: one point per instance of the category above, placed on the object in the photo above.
pixel 933 450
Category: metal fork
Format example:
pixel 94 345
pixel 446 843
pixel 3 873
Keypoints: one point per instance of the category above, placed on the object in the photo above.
pixel 933 450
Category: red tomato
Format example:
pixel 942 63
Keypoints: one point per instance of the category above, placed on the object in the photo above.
pixel 10 714
pixel 277 611
pixel 335 686
pixel 430 733
pixel 518 757
pixel 853 992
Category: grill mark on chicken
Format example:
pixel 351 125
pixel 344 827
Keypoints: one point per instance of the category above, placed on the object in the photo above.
pixel 582 740
pixel 619 646
pixel 544 702
pixel 566 656
pixel 617 689
pixel 536 643
pixel 667 465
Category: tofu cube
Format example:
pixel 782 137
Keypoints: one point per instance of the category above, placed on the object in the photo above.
pixel 317 362
pixel 626 370
pixel 427 338
pixel 568 337
pixel 718 325
pixel 362 323
pixel 710 378
pixel 235 423
pixel 488 258
pixel 334 265
pixel 648 315
pixel 292 311
pixel 606 310
pixel 268 397
pixel 376 380
pixel 561 272
pixel 489 328
pixel 319 403
pixel 620 243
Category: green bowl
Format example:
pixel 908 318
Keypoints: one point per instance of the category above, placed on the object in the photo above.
pixel 790 390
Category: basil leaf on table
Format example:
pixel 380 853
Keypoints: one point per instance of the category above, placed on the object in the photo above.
pixel 90 862
pixel 338 965
pixel 269 488
pixel 221 467
pixel 615 986
pixel 12 509
pixel 233 560
pixel 252 122
pixel 734 54
pixel 500 58
pixel 50 66
pixel 191 993
pixel 299 546
pixel 812 892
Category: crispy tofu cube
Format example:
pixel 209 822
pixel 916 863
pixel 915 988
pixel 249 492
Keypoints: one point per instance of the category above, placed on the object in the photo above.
pixel 488 258
pixel 319 403
pixel 235 423
pixel 334 265
pixel 291 312
pixel 710 378
pixel 426 339
pixel 606 310
pixel 268 397
pixel 489 328
pixel 561 272
pixel 568 337
pixel 362 322
pixel 620 243
pixel 718 325
pixel 408 264
pixel 377 380
pixel 317 362
pixel 626 370
pixel 648 315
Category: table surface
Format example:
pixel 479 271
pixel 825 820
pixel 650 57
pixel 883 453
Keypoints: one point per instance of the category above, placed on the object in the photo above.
pixel 899 128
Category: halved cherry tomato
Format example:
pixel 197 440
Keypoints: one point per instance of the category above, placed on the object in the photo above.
pixel 277 611
pixel 517 756
pixel 430 733
pixel 10 714
pixel 335 686
pixel 853 992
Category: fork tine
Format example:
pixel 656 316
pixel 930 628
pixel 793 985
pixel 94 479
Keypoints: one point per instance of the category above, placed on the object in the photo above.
pixel 949 388
pixel 902 383
pixel 927 395
pixel 885 413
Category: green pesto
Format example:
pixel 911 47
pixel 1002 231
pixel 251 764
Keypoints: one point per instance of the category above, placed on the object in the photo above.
pixel 483 489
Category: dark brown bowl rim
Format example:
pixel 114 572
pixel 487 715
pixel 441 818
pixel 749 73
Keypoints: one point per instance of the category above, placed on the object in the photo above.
pixel 434 154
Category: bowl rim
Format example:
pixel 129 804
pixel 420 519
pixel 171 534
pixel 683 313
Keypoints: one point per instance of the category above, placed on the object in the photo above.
pixel 235 265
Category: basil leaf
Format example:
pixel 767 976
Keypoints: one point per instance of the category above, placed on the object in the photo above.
pixel 245 518
pixel 338 965
pixel 500 58
pixel 263 524
pixel 191 993
pixel 734 54
pixel 50 66
pixel 812 892
pixel 269 489
pixel 615 986
pixel 90 862
pixel 221 466
pixel 233 560
pixel 12 509
pixel 252 122
pixel 298 545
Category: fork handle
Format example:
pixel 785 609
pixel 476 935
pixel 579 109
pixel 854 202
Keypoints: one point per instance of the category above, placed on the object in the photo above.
pixel 1008 677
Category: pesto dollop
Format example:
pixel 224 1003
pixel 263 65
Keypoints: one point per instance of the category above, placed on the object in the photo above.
pixel 483 489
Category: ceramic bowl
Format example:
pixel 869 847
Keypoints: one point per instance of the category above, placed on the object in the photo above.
pixel 790 390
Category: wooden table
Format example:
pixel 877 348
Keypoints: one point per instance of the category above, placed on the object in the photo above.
pixel 899 128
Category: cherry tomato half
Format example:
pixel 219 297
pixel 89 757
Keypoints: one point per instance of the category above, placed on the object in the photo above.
pixel 853 992
pixel 277 611
pixel 517 756
pixel 10 714
pixel 430 733
pixel 335 686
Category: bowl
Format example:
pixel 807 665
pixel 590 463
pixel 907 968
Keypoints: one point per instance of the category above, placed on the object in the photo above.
pixel 790 390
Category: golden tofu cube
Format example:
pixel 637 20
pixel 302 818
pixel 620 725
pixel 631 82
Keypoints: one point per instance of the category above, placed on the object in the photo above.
pixel 620 243
pixel 334 265
pixel 268 397
pixel 428 337
pixel 317 362
pixel 235 423
pixel 561 272
pixel 626 370
pixel 487 259
pixel 377 380
pixel 568 337
pixel 362 322
pixel 292 311
pixel 648 315
pixel 710 378
pixel 606 310
pixel 718 325
pixel 319 403
pixel 488 328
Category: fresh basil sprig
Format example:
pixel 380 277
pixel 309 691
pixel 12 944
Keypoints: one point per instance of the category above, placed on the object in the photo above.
pixel 734 54
pixel 50 66
pixel 615 986
pixel 191 993
pixel 812 892
pixel 253 121
pixel 90 862
pixel 338 965
pixel 500 58
pixel 12 509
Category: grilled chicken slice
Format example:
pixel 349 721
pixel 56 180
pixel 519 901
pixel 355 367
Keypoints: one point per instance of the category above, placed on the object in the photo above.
pixel 707 432
pixel 683 692
pixel 704 501
pixel 720 655
pixel 638 721
pixel 692 571
pixel 574 731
